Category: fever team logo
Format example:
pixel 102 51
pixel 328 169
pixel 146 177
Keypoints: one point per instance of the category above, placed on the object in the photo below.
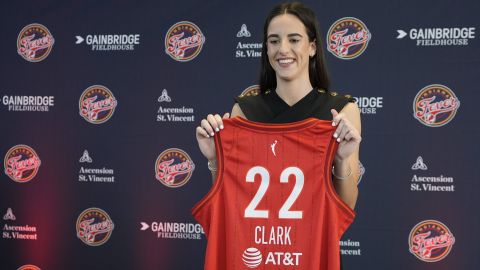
pixel 435 105
pixel 28 267
pixel 97 104
pixel 348 38
pixel 35 42
pixel 94 227
pixel 21 163
pixel 174 167
pixel 252 90
pixel 184 41
pixel 430 241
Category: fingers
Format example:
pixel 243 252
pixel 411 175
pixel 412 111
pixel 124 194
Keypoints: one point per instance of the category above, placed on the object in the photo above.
pixel 345 130
pixel 212 124
pixel 334 112
pixel 207 127
pixel 212 120
pixel 202 132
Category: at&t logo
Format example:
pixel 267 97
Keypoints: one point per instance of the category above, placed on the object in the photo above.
pixel 252 257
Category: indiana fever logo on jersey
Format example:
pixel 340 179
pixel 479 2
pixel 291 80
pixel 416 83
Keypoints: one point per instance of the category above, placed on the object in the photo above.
pixel 435 105
pixel 94 227
pixel 28 267
pixel 184 41
pixel 34 43
pixel 97 104
pixel 21 163
pixel 430 241
pixel 348 38
pixel 174 167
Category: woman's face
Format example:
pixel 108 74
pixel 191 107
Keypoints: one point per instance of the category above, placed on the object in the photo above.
pixel 288 47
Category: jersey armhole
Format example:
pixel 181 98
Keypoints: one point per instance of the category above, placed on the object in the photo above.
pixel 218 178
pixel 350 214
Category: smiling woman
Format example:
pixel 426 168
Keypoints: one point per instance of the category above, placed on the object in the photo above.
pixel 294 94
pixel 289 50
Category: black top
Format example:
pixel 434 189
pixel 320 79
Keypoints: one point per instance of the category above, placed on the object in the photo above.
pixel 270 108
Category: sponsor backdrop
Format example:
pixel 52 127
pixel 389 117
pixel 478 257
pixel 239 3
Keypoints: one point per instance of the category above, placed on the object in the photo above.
pixel 100 100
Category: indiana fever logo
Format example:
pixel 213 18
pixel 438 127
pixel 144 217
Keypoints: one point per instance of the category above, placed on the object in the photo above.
pixel 21 163
pixel 28 267
pixel 252 90
pixel 174 167
pixel 430 241
pixel 348 38
pixel 435 105
pixel 184 41
pixel 97 104
pixel 34 42
pixel 94 227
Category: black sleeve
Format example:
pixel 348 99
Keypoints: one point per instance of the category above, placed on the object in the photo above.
pixel 253 107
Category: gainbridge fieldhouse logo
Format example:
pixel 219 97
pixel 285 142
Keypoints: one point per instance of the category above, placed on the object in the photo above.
pixel 435 105
pixel 174 167
pixel 94 226
pixel 430 241
pixel 348 38
pixel 184 41
pixel 97 104
pixel 35 42
pixel 21 163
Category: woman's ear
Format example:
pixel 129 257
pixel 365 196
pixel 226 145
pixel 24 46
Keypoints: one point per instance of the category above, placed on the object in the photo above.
pixel 313 48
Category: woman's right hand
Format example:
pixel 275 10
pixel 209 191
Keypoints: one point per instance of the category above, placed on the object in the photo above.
pixel 205 132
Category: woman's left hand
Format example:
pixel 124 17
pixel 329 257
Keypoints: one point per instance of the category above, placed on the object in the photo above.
pixel 346 134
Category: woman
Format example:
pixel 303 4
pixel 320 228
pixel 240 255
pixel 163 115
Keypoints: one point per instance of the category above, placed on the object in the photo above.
pixel 294 86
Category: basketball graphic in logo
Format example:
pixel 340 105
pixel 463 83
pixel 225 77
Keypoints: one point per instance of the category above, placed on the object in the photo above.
pixel 435 105
pixel 21 163
pixel 94 227
pixel 34 43
pixel 430 241
pixel 348 38
pixel 97 104
pixel 184 41
pixel 174 167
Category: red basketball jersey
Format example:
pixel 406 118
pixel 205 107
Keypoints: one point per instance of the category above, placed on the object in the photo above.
pixel 273 205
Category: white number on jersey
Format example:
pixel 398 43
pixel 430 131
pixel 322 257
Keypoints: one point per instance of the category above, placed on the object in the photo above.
pixel 284 212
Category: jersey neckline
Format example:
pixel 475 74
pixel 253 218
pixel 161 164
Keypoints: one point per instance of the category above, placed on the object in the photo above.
pixel 275 126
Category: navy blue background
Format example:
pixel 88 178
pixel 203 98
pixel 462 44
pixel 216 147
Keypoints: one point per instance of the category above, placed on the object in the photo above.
pixel 131 140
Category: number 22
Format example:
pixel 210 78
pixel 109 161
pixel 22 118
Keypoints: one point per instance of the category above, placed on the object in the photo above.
pixel 284 212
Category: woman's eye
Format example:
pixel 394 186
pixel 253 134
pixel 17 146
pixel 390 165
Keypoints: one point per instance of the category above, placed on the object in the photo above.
pixel 273 41
pixel 294 40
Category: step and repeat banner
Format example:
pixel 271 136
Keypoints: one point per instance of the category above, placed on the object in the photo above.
pixel 100 101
